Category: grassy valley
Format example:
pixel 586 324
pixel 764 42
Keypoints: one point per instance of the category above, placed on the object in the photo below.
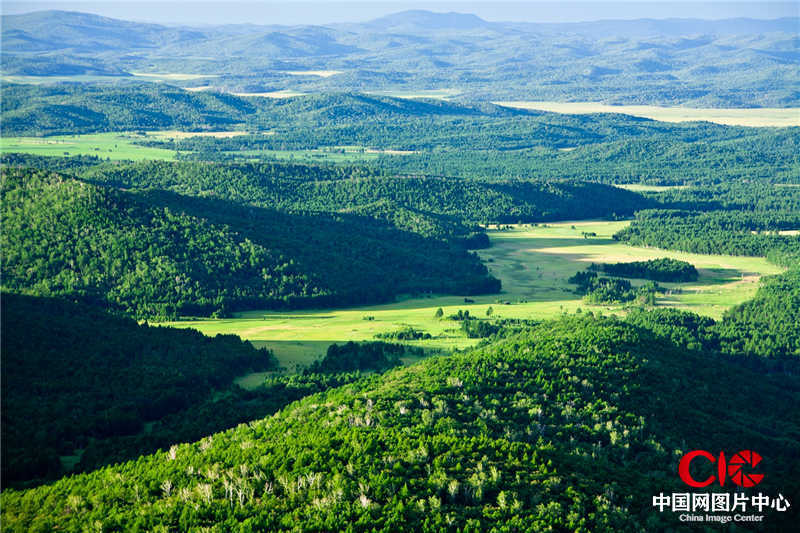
pixel 533 265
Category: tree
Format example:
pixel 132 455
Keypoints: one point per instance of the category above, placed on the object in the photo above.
pixel 439 313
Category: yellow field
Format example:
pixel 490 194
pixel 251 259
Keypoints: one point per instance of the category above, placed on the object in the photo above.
pixel 533 264
pixel 442 94
pixel 320 73
pixel 639 187
pixel 173 76
pixel 285 93
pixel 763 116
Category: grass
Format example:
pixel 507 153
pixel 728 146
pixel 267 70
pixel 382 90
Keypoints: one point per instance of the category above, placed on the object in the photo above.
pixel 283 93
pixel 533 263
pixel 641 187
pixel 114 146
pixel 319 73
pixel 120 146
pixel 173 76
pixel 757 117
pixel 442 94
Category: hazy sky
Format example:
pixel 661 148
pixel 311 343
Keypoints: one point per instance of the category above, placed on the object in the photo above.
pixel 326 11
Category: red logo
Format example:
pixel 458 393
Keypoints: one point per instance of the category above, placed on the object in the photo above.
pixel 734 469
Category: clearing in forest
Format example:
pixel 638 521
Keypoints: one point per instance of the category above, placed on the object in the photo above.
pixel 533 262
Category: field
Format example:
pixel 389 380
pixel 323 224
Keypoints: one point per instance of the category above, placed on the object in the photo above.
pixel 173 76
pixel 641 187
pixel 284 93
pixel 106 145
pixel 119 146
pixel 533 264
pixel 762 116
pixel 176 135
pixel 442 94
pixel 320 73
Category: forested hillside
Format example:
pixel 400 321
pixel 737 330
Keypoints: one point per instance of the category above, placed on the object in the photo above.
pixel 413 137
pixel 572 425
pixel 158 254
pixel 445 208
pixel 767 325
pixel 40 110
pixel 753 233
pixel 74 376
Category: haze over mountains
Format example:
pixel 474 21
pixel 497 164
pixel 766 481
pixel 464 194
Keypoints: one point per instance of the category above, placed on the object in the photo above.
pixel 722 63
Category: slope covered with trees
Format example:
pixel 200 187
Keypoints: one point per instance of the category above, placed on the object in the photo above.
pixel 158 254
pixel 571 425
pixel 74 374
pixel 444 208
pixel 436 138
pixel 750 233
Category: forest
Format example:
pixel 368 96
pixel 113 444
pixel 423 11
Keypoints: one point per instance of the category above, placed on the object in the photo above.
pixel 444 208
pixel 663 269
pixel 160 254
pixel 513 435
pixel 436 138
pixel 74 374
pixel 726 62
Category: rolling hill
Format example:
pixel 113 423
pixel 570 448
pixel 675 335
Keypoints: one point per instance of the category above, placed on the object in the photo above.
pixel 572 425
pixel 159 254
pixel 733 63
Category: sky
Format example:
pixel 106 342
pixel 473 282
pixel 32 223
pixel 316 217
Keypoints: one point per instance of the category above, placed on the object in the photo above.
pixel 289 12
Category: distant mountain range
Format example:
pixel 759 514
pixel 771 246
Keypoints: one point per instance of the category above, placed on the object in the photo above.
pixel 733 62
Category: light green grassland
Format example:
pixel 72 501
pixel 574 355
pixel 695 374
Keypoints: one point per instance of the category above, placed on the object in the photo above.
pixel 120 146
pixel 88 78
pixel 115 146
pixel 533 264
pixel 761 116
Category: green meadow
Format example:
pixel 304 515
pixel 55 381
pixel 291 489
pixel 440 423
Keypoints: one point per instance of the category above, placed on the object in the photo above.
pixel 115 146
pixel 533 262
pixel 122 146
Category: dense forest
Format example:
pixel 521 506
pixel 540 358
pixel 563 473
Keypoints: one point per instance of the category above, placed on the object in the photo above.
pixel 753 233
pixel 767 325
pixel 599 290
pixel 83 389
pixel 532 432
pixel 158 254
pixel 445 208
pixel 73 374
pixel 436 138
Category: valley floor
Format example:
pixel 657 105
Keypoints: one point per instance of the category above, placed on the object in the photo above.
pixel 533 262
